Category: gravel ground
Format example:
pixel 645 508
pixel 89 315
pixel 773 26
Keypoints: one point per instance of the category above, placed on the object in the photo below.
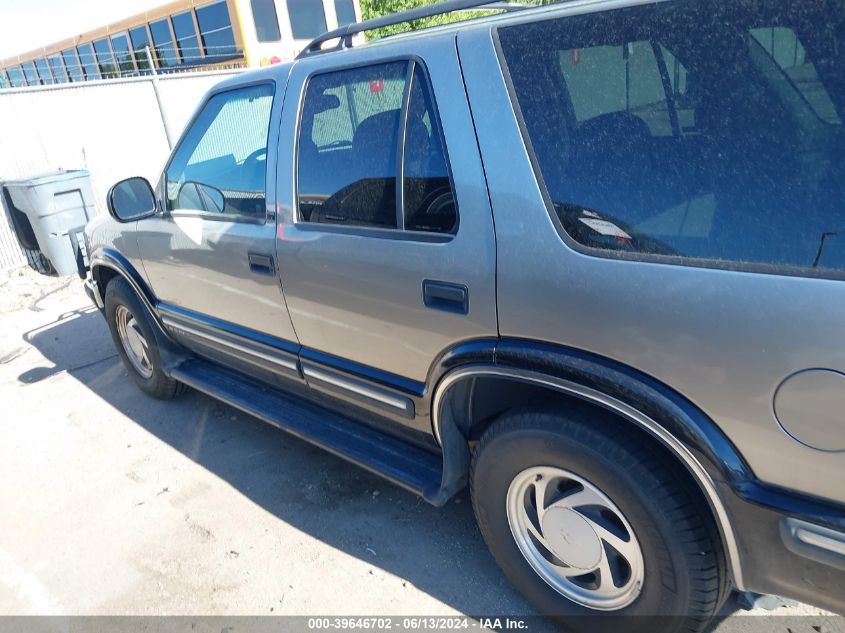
pixel 117 504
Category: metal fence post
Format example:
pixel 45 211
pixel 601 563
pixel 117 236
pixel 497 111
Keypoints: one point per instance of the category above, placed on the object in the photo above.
pixel 161 109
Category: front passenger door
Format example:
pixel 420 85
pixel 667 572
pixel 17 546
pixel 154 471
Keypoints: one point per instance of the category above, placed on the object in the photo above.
pixel 209 256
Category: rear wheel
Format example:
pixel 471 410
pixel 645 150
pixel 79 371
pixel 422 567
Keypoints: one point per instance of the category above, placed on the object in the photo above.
pixel 135 341
pixel 594 525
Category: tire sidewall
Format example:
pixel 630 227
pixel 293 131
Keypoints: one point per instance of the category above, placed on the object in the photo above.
pixel 118 292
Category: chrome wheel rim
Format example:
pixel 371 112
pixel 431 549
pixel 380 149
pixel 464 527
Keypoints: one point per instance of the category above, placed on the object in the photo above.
pixel 133 341
pixel 575 538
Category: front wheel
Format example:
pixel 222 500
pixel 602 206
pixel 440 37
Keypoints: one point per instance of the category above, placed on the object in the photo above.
pixel 594 525
pixel 135 341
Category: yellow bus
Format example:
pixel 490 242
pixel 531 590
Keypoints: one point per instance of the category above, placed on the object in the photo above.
pixel 184 34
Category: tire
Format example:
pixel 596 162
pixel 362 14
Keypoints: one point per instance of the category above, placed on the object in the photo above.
pixel 676 583
pixel 121 304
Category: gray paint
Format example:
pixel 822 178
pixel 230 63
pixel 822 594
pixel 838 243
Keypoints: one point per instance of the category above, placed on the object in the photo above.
pixel 723 339
pixel 357 293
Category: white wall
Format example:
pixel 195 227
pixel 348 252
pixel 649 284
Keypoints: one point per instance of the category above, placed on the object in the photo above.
pixel 112 128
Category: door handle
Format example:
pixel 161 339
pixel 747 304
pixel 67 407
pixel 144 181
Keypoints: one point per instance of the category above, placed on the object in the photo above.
pixel 261 264
pixel 446 296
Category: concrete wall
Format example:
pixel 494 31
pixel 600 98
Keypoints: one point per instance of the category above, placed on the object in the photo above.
pixel 112 128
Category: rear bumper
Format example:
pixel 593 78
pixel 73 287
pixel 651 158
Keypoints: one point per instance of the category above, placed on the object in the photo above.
pixel 93 292
pixel 790 545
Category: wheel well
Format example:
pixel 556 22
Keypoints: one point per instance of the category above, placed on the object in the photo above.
pixel 103 275
pixel 478 401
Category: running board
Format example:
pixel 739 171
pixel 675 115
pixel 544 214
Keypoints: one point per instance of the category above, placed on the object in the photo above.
pixel 404 464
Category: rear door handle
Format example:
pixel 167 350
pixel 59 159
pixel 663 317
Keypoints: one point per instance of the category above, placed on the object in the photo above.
pixel 447 296
pixel 261 264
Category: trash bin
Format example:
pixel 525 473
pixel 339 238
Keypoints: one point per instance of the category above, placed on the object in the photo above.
pixel 49 212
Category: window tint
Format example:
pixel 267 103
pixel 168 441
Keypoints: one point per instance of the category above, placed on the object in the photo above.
pixel 344 11
pixel 4 82
pixel 88 61
pixel 43 71
pixel 220 166
pixel 74 70
pixel 105 59
pixel 122 53
pixel 163 40
pixel 348 143
pixel 347 146
pixel 186 37
pixel 700 131
pixel 218 41
pixel 266 21
pixel 307 18
pixel 429 204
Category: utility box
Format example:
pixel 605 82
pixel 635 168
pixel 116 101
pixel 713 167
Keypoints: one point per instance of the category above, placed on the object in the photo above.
pixel 49 212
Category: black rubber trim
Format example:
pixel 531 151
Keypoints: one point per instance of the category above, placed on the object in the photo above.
pixel 404 464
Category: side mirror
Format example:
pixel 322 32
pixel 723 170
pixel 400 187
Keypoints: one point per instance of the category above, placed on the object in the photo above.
pixel 131 199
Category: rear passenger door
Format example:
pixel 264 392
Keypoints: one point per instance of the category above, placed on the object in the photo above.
pixel 385 240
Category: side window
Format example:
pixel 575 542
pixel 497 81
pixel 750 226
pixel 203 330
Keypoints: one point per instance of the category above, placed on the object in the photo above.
pixel 348 139
pixel 713 136
pixel 220 165
pixel 349 152
pixel 429 204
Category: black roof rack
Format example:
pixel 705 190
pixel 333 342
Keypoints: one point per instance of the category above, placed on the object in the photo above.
pixel 344 34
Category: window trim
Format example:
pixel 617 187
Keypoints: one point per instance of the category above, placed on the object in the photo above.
pixel 161 189
pixel 412 62
pixel 784 270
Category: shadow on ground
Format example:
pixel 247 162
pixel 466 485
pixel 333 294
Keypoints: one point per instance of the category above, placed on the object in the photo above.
pixel 438 550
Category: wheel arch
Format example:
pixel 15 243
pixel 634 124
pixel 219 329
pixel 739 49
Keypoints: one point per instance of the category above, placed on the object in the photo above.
pixel 529 373
pixel 108 264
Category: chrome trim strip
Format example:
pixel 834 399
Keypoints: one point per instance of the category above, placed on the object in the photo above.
pixel 281 362
pixel 816 535
pixel 695 468
pixel 372 394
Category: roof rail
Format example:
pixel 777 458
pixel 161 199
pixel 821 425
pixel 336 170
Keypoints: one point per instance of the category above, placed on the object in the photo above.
pixel 344 34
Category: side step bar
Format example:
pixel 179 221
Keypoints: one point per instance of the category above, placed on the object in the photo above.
pixel 404 464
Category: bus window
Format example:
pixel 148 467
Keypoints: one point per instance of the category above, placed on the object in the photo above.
pixel 122 53
pixel 44 71
pixel 186 37
pixel 345 12
pixel 30 75
pixel 58 67
pixel 16 77
pixel 266 20
pixel 163 41
pixel 74 70
pixel 216 30
pixel 88 61
pixel 105 58
pixel 140 39
pixel 307 19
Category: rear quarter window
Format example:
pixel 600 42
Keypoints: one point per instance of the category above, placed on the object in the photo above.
pixel 709 133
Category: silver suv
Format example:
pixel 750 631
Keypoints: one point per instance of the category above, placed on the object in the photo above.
pixel 587 259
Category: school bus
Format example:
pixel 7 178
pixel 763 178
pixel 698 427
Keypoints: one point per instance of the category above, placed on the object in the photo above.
pixel 184 34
